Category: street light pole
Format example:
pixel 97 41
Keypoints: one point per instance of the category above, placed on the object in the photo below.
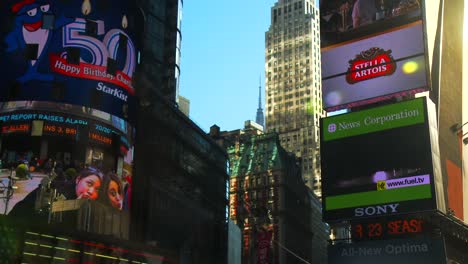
pixel 9 192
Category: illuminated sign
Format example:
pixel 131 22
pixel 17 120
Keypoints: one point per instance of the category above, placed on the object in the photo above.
pixel 38 246
pixel 91 146
pixel 377 162
pixel 100 138
pixel 401 251
pixel 60 130
pixel 52 117
pixel 369 64
pixel 16 128
pixel 342 21
pixel 60 124
pixel 387 229
pixel 55 52
pixel 384 68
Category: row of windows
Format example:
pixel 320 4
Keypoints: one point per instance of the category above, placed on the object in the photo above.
pixel 289 50
pixel 290 96
pixel 295 6
pixel 289 71
pixel 288 40
pixel 311 107
pixel 288 64
pixel 285 125
pixel 286 105
pixel 258 195
pixel 289 47
pixel 298 23
pixel 287 8
pixel 242 184
pixel 278 87
pixel 278 34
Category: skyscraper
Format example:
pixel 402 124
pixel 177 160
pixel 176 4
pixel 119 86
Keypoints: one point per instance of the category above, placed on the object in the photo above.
pixel 293 82
pixel 160 34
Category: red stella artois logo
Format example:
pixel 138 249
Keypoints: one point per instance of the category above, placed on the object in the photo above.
pixel 369 64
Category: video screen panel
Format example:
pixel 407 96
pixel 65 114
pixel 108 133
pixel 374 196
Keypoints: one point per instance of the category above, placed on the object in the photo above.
pixel 75 52
pixel 345 20
pixel 374 68
pixel 377 162
pixel 52 163
pixel 421 250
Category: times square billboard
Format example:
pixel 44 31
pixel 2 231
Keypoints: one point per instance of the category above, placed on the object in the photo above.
pixel 79 52
pixel 373 51
pixel 379 162
pixel 420 250
pixel 63 165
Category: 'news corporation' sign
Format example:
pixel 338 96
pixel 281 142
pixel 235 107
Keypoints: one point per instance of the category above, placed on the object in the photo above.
pixel 377 162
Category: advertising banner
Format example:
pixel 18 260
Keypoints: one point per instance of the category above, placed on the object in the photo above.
pixel 345 20
pixel 401 251
pixel 60 124
pixel 78 166
pixel 404 226
pixel 264 238
pixel 378 67
pixel 377 162
pixel 75 52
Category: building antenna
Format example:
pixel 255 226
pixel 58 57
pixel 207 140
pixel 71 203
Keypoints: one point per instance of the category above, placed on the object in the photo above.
pixel 260 119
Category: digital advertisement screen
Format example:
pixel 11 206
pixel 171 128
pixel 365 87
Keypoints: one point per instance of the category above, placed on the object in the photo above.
pixel 401 251
pixel 389 228
pixel 377 162
pixel 375 68
pixel 345 20
pixel 50 162
pixel 76 52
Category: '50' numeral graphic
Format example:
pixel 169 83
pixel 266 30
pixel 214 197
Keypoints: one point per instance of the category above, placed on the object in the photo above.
pixel 99 51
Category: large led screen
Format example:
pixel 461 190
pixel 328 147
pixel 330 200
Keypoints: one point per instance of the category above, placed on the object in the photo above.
pixel 377 162
pixel 421 250
pixel 373 68
pixel 79 52
pixel 54 163
pixel 345 20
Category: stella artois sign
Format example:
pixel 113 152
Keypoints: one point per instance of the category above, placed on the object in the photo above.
pixel 369 64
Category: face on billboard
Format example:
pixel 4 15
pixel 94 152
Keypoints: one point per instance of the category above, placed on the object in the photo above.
pixel 377 162
pixel 77 161
pixel 385 65
pixel 76 52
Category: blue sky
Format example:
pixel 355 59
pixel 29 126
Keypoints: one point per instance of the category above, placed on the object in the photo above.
pixel 223 47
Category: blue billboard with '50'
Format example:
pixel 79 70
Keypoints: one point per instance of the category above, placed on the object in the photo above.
pixel 77 52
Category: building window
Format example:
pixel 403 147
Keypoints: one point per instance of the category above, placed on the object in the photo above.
pixel 271 193
pixel 253 195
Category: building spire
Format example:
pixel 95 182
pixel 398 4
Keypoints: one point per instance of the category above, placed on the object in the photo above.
pixel 259 92
pixel 260 119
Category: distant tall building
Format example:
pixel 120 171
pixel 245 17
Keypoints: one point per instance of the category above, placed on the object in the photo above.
pixel 260 119
pixel 293 82
pixel 267 195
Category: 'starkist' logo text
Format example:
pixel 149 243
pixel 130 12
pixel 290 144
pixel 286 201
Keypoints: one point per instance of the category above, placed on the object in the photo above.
pixel 112 91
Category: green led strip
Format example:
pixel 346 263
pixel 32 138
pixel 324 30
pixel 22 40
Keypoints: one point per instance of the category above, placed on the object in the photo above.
pixel 378 197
